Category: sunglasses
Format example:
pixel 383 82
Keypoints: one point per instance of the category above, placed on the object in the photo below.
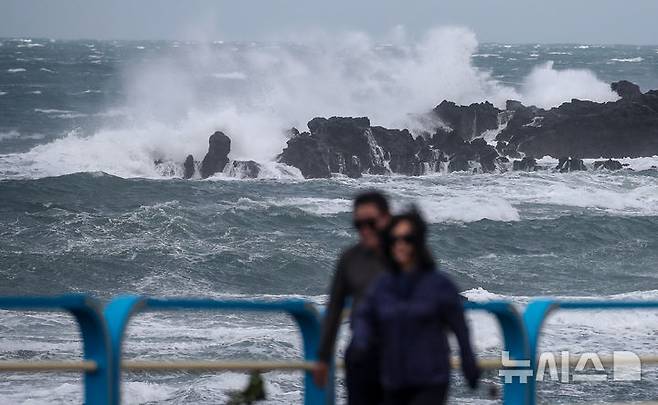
pixel 408 239
pixel 365 223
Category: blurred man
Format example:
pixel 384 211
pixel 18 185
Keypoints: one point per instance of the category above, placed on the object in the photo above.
pixel 357 267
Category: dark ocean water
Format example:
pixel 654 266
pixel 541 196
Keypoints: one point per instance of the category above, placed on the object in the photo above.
pixel 82 208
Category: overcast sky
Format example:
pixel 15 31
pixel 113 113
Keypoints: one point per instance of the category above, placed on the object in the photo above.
pixel 520 21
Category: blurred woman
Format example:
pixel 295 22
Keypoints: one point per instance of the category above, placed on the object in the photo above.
pixel 404 318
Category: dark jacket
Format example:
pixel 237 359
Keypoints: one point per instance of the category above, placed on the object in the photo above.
pixel 355 271
pixel 404 317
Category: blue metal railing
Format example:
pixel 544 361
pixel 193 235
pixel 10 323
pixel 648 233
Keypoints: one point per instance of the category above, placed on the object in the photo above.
pixel 103 333
pixel 539 309
pixel 95 338
pixel 515 342
pixel 119 311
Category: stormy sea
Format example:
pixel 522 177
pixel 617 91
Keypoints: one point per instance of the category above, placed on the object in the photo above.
pixel 84 207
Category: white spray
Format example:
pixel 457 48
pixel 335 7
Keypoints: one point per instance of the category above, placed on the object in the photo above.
pixel 254 92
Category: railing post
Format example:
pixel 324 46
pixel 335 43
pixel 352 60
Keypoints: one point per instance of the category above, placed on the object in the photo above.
pixel 95 342
pixel 117 315
pixel 330 387
pixel 96 347
pixel 538 310
pixel 309 325
pixel 533 319
pixel 515 339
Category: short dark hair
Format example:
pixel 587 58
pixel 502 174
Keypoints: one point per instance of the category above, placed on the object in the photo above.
pixel 372 197
pixel 423 255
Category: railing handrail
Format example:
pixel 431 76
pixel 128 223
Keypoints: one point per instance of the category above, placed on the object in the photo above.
pixel 119 311
pixel 49 365
pixel 103 334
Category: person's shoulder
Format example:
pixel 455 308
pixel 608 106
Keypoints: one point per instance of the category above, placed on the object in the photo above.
pixel 382 283
pixel 346 255
pixel 386 277
pixel 441 279
pixel 383 280
pixel 350 251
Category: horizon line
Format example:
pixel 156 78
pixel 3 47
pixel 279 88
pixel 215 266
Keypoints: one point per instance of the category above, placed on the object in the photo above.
pixel 502 43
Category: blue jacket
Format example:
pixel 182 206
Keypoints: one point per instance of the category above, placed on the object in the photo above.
pixel 404 318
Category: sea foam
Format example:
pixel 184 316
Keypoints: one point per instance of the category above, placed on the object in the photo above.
pixel 630 60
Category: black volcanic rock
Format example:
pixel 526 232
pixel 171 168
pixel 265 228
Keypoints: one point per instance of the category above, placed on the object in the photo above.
pixel 429 158
pixel 244 169
pixel 352 147
pixel 626 89
pixel 485 154
pixel 400 152
pixel 188 167
pixel 527 164
pixel 625 128
pixel 469 122
pixel 462 154
pixel 569 164
pixel 345 145
pixel 608 164
pixel 292 132
pixel 455 149
pixel 305 153
pixel 219 146
pixel 514 105
pixel 448 142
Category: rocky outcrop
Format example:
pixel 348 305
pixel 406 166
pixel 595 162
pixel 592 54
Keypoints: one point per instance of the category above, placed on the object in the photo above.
pixel 402 154
pixel 460 138
pixel 527 164
pixel 219 146
pixel 188 167
pixel 350 146
pixel 627 127
pixel 305 153
pixel 626 89
pixel 216 161
pixel 345 147
pixel 569 164
pixel 468 122
pixel 465 156
pixel 244 169
pixel 608 164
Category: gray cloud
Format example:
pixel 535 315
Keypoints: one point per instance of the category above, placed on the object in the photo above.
pixel 521 21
